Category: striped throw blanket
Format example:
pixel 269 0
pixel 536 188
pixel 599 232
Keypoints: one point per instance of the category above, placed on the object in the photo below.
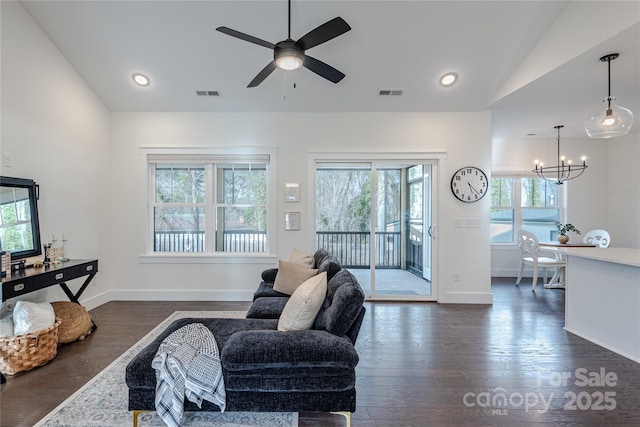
pixel 187 364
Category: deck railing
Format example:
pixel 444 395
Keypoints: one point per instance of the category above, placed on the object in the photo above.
pixel 352 248
pixel 193 241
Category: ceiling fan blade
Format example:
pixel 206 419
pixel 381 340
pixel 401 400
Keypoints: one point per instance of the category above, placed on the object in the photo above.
pixel 323 33
pixel 263 74
pixel 322 69
pixel 245 37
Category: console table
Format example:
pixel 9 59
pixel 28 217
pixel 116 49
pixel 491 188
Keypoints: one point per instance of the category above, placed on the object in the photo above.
pixel 21 282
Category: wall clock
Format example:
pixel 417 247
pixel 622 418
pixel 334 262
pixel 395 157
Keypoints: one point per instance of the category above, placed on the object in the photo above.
pixel 469 184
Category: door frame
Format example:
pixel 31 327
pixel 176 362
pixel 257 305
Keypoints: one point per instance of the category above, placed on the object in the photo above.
pixel 436 159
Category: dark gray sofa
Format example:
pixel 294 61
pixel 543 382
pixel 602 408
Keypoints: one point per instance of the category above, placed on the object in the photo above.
pixel 269 303
pixel 268 370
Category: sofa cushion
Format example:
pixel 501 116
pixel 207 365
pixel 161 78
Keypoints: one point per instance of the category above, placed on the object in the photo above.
pixel 267 307
pixel 301 258
pixel 300 311
pixel 293 361
pixel 342 304
pixel 140 374
pixel 290 276
pixel 269 275
pixel 319 255
pixel 265 289
pixel 330 265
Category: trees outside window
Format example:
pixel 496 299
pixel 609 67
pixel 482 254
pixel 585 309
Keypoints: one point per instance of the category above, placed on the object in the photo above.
pixel 525 203
pixel 209 207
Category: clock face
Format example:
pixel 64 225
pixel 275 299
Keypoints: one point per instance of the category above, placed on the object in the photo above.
pixel 469 184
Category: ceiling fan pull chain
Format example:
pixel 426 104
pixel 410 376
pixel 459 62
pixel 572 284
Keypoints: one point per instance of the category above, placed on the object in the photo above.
pixel 284 86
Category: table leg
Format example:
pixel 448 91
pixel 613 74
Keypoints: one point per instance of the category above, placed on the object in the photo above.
pixel 556 281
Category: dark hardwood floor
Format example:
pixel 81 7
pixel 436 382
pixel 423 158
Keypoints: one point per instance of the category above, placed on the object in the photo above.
pixel 420 364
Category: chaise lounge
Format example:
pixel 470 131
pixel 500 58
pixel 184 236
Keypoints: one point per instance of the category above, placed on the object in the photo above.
pixel 268 370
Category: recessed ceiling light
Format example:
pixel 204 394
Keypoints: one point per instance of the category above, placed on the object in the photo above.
pixel 140 79
pixel 449 79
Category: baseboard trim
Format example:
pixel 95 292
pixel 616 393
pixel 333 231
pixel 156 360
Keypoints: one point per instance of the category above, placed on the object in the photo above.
pixel 180 295
pixel 466 298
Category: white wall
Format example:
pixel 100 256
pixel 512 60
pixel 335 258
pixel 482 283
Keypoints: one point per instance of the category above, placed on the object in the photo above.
pixel 606 196
pixel 57 132
pixel 623 191
pixel 294 136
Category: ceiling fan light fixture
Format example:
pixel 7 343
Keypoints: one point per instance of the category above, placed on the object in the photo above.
pixel 613 120
pixel 288 62
pixel 288 56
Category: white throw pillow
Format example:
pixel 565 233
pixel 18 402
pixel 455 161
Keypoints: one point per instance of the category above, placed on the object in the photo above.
pixel 302 308
pixel 31 317
pixel 290 276
pixel 304 259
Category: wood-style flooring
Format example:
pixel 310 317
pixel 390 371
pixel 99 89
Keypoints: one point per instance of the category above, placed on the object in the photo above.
pixel 421 364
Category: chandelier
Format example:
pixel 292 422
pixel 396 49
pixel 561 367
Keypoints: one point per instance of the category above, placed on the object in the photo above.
pixel 564 169
pixel 612 121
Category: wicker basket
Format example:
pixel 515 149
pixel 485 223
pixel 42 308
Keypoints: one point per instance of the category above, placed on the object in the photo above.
pixel 28 351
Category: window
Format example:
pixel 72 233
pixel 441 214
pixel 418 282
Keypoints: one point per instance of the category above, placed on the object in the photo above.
pixel 209 204
pixel 530 204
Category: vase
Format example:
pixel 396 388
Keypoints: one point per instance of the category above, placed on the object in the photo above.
pixel 563 238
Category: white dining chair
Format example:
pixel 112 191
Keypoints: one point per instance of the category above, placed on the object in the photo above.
pixel 529 254
pixel 600 238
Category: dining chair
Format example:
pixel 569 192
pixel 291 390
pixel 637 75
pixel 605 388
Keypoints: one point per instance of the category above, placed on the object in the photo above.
pixel 529 254
pixel 600 238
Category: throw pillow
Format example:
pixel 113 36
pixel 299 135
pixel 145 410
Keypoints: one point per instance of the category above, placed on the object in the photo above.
pixel 302 308
pixel 29 317
pixel 302 258
pixel 290 276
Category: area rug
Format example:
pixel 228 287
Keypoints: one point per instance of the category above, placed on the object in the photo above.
pixel 103 401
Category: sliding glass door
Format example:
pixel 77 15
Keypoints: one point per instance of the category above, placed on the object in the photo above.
pixel 376 218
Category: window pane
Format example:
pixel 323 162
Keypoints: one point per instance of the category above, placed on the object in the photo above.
pixel 179 229
pixel 244 184
pixel 388 194
pixel 414 172
pixel 502 225
pixel 540 222
pixel 242 229
pixel 180 183
pixel 502 192
pixel 343 199
pixel 538 192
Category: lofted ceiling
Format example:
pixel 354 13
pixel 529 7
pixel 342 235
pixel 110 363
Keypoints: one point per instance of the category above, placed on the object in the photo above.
pixel 508 55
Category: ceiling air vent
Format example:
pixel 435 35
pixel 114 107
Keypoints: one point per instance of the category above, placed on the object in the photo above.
pixel 390 92
pixel 208 93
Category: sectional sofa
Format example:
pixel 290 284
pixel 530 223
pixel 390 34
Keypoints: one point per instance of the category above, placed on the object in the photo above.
pixel 271 370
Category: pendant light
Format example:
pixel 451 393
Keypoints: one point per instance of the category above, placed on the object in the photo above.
pixel 613 120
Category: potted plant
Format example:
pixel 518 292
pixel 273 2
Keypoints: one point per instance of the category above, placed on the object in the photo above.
pixel 563 229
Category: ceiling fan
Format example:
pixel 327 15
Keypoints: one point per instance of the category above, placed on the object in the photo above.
pixel 289 54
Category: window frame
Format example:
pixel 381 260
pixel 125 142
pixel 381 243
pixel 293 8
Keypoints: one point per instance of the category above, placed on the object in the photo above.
pixel 516 202
pixel 209 157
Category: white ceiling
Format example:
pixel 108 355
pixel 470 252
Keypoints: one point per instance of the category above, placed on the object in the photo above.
pixel 403 45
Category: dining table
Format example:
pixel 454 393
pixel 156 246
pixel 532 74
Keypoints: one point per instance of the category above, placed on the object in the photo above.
pixel 557 280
